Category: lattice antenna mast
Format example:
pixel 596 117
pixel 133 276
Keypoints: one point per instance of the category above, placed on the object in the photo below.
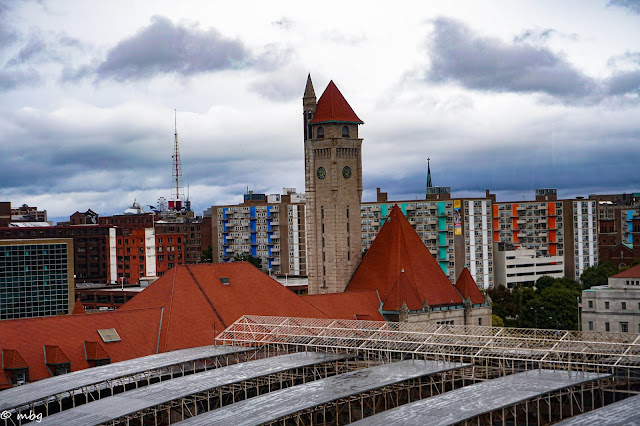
pixel 177 190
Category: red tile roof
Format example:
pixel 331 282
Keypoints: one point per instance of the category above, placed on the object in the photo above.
pixel 198 306
pixel 194 305
pixel 397 247
pixel 467 287
pixel 333 107
pixel 349 305
pixel 138 330
pixel 629 273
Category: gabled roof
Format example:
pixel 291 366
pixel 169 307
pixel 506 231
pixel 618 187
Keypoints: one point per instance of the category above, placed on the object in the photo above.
pixel 629 273
pixel 348 305
pixel 397 247
pixel 467 287
pixel 333 107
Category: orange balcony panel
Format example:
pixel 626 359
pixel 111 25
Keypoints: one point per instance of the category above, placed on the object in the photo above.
pixel 551 208
pixel 552 236
pixel 552 222
pixel 553 249
pixel 496 223
pixel 496 236
pixel 495 210
pixel 515 237
pixel 514 209
pixel 514 223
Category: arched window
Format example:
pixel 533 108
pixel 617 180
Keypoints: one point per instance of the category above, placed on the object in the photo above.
pixel 320 132
pixel 345 132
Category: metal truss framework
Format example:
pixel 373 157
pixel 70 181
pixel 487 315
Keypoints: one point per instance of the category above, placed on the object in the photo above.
pixel 493 351
pixel 115 385
pixel 186 407
pixel 485 346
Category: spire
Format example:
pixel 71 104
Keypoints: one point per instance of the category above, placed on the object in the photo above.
pixel 429 184
pixel 177 190
pixel 308 90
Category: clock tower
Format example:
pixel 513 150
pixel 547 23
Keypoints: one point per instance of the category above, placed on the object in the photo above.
pixel 333 185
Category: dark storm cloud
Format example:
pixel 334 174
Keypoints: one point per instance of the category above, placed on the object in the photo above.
pixel 484 63
pixel 163 48
pixel 12 79
pixel 623 83
pixel 632 6
pixel 34 47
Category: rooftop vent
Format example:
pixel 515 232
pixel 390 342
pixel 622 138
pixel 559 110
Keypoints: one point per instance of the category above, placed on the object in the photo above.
pixel 109 335
pixel 224 281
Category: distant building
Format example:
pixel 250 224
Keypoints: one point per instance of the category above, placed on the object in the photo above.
pixel 271 228
pixel 551 227
pixel 24 213
pixel 520 266
pixel 36 277
pixel 618 228
pixel 93 247
pixel 614 307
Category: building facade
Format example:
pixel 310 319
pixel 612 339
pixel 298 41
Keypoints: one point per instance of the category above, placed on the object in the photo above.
pixel 36 277
pixel 268 227
pixel 93 248
pixel 614 307
pixel 523 266
pixel 551 227
pixel 333 184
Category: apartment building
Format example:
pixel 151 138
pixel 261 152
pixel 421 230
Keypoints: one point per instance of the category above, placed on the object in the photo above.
pixel 551 227
pixel 619 228
pixel 269 227
pixel 457 232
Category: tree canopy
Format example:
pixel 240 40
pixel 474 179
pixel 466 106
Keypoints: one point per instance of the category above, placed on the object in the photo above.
pixel 246 257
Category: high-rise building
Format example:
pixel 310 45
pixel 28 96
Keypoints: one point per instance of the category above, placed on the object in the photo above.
pixel 268 227
pixel 333 182
pixel 36 277
pixel 551 227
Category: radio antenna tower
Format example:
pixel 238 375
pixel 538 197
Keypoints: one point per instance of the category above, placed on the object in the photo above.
pixel 177 190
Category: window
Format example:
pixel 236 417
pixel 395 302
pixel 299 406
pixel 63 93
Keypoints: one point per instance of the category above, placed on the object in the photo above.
pixel 590 325
pixel 109 335
pixel 623 305
pixel 320 132
pixel 624 327
pixel 345 131
pixel 479 321
pixel 606 326
pixel 606 306
pixel 590 303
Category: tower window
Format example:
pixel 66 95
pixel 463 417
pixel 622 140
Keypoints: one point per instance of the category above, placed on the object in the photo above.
pixel 320 132
pixel 345 131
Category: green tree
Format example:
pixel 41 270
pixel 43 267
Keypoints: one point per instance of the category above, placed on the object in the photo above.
pixel 597 275
pixel 502 302
pixel 207 255
pixel 496 321
pixel 246 257
pixel 544 282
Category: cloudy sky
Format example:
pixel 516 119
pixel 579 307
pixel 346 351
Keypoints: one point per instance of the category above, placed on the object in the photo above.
pixel 501 95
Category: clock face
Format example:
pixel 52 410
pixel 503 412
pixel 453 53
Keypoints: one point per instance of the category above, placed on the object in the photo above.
pixel 321 173
pixel 346 172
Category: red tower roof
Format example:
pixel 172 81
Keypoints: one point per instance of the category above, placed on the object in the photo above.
pixel 468 288
pixel 629 273
pixel 333 107
pixel 400 267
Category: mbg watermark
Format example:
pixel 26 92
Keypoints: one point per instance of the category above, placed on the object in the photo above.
pixel 30 416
